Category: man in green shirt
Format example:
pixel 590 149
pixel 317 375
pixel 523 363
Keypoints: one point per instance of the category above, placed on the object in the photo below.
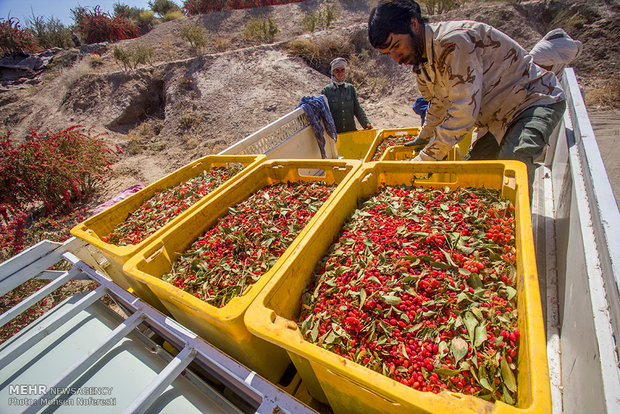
pixel 342 100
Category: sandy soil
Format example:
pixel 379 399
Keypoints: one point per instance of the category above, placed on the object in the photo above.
pixel 606 125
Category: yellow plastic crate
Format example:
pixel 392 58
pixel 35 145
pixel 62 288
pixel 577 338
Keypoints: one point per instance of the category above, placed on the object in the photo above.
pixel 95 228
pixel 349 387
pixel 384 133
pixel 224 327
pixel 401 152
pixel 355 144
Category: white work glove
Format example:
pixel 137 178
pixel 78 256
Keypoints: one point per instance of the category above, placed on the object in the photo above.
pixel 422 156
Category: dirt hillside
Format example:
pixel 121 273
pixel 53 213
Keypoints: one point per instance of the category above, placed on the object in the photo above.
pixel 191 103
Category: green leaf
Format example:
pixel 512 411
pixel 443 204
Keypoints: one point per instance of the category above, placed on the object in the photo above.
pixel 442 346
pixel 485 383
pixel 461 297
pixel 511 292
pixel 314 333
pixel 391 300
pixel 446 372
pixel 478 313
pixel 331 338
pixel 404 351
pixel 481 335
pixel 507 398
pixel 470 323
pixel 362 297
pixel 474 281
pixel 458 348
pixel 508 376
pixel 464 272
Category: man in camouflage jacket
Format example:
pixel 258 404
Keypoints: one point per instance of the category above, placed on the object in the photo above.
pixel 473 75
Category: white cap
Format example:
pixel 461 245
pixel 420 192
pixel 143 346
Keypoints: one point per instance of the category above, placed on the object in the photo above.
pixel 339 62
pixel 556 50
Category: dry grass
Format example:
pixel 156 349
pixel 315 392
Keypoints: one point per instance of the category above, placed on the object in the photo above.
pixel 142 136
pixel 222 44
pixel 189 120
pixel 319 52
pixel 604 93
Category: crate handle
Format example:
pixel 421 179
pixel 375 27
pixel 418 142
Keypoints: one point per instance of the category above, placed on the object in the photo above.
pixel 155 254
pixel 366 177
pixel 311 172
pixel 510 182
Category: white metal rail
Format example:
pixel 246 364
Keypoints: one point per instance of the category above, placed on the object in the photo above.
pixel 252 388
pixel 578 251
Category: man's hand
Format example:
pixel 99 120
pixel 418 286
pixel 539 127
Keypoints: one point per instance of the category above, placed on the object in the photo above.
pixel 368 126
pixel 418 142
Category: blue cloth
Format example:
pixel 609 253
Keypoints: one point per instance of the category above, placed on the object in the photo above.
pixel 419 107
pixel 320 119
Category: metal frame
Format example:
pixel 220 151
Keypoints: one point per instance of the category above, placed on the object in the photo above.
pixel 290 136
pixel 578 251
pixel 254 389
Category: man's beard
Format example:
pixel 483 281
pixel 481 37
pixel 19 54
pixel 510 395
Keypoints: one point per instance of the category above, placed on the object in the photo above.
pixel 417 48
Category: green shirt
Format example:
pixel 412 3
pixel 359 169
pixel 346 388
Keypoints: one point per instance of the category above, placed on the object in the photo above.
pixel 343 104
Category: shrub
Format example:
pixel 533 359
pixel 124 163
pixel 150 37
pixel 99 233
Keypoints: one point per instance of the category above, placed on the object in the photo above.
pixel 51 32
pixel 173 15
pixel 193 7
pixel 97 26
pixel 318 53
pixel 51 169
pixel 189 120
pixel 163 7
pixel 440 6
pixel 221 43
pixel 133 57
pixel 261 29
pixel 194 35
pixel 146 17
pixel 128 12
pixel 14 39
pixel 323 19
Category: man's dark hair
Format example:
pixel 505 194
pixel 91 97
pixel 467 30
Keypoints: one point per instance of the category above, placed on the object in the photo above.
pixel 392 16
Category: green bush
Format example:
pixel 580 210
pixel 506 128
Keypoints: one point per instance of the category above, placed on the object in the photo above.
pixel 133 57
pixel 194 35
pixel 146 17
pixel 51 32
pixel 163 7
pixel 128 12
pixel 172 15
pixel 261 29
pixel 323 19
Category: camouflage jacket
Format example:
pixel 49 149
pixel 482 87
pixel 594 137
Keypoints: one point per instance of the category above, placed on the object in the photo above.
pixel 476 75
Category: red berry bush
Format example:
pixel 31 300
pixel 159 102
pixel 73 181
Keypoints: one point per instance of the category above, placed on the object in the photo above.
pixel 164 206
pixel 49 170
pixel 420 286
pixel 98 26
pixel 232 255
pixel 14 39
pixel 193 7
